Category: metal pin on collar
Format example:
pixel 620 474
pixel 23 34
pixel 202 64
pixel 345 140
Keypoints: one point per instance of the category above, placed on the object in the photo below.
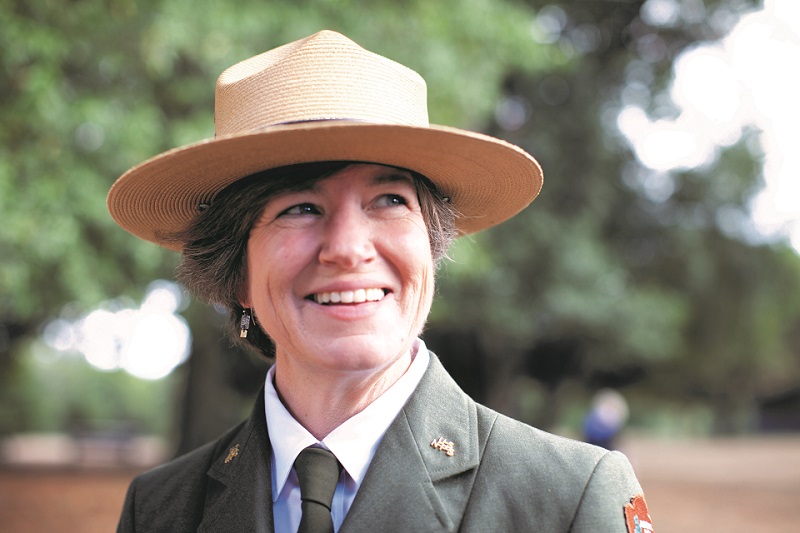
pixel 444 445
pixel 232 454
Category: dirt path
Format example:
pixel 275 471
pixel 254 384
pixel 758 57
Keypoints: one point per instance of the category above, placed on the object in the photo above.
pixel 82 501
pixel 744 485
pixel 748 485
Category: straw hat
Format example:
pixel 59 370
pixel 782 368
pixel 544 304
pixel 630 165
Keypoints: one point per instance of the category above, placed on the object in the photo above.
pixel 323 98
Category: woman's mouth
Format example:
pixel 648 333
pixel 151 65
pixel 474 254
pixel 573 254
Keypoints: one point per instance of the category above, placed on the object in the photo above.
pixel 349 297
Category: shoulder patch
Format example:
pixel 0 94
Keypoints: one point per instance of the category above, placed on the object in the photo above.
pixel 637 516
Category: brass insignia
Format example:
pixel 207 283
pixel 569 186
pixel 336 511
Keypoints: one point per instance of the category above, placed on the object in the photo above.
pixel 232 453
pixel 444 445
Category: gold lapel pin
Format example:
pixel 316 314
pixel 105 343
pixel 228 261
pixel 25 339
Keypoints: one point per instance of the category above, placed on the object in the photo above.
pixel 444 445
pixel 232 454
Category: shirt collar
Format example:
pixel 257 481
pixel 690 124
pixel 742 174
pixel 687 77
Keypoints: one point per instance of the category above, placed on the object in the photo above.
pixel 354 442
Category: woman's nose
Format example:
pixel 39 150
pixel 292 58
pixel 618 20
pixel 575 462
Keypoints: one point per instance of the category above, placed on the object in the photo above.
pixel 347 238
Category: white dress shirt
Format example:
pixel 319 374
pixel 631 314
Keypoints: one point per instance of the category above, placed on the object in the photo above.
pixel 353 443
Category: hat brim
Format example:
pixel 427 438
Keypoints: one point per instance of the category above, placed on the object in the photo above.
pixel 487 179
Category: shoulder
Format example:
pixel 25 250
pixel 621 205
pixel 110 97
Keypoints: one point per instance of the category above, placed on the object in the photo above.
pixel 195 464
pixel 505 436
pixel 173 493
pixel 552 481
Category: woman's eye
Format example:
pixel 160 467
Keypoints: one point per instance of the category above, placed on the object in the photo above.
pixel 390 200
pixel 301 209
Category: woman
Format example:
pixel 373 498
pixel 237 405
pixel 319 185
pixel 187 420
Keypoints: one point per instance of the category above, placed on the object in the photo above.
pixel 317 215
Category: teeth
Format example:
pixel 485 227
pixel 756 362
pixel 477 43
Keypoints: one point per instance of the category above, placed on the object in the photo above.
pixel 348 297
pixel 375 295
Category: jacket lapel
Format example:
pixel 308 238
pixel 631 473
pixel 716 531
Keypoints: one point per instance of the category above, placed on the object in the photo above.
pixel 410 484
pixel 239 496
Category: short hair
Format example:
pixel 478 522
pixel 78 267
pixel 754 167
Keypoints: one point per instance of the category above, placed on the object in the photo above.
pixel 214 262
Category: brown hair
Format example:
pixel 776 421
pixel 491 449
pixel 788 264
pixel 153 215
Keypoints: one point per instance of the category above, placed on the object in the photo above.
pixel 214 264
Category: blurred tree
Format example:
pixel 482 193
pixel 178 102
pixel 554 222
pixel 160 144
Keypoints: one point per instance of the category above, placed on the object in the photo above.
pixel 558 291
pixel 607 280
pixel 743 299
pixel 601 283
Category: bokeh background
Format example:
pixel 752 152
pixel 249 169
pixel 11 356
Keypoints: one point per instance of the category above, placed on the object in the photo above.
pixel 649 298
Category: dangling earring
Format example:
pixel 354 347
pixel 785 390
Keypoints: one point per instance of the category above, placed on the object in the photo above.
pixel 244 326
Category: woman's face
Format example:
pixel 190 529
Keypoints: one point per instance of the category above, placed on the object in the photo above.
pixel 341 275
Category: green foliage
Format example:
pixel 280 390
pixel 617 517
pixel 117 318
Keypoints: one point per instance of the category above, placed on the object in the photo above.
pixel 671 290
pixel 67 130
pixel 605 282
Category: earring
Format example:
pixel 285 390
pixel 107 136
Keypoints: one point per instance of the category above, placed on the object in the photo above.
pixel 244 326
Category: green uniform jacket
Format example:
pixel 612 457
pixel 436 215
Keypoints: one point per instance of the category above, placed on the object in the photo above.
pixel 502 476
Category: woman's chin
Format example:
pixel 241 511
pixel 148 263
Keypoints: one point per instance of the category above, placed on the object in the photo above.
pixel 359 354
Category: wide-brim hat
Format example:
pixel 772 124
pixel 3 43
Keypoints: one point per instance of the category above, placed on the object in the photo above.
pixel 323 98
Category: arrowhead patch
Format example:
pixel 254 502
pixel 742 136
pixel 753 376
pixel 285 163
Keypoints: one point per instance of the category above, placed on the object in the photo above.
pixel 637 516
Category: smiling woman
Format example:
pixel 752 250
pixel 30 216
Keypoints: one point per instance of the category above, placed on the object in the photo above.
pixel 317 216
pixel 215 254
pixel 358 229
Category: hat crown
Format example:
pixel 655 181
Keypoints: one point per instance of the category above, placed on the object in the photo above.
pixel 323 77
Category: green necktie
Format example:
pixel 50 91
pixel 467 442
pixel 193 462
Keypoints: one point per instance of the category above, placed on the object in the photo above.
pixel 318 472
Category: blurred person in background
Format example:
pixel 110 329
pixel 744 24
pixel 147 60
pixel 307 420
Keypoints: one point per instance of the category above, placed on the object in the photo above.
pixel 606 419
pixel 317 215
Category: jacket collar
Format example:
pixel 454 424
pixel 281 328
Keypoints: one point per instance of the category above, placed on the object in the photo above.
pixel 241 498
pixel 408 484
